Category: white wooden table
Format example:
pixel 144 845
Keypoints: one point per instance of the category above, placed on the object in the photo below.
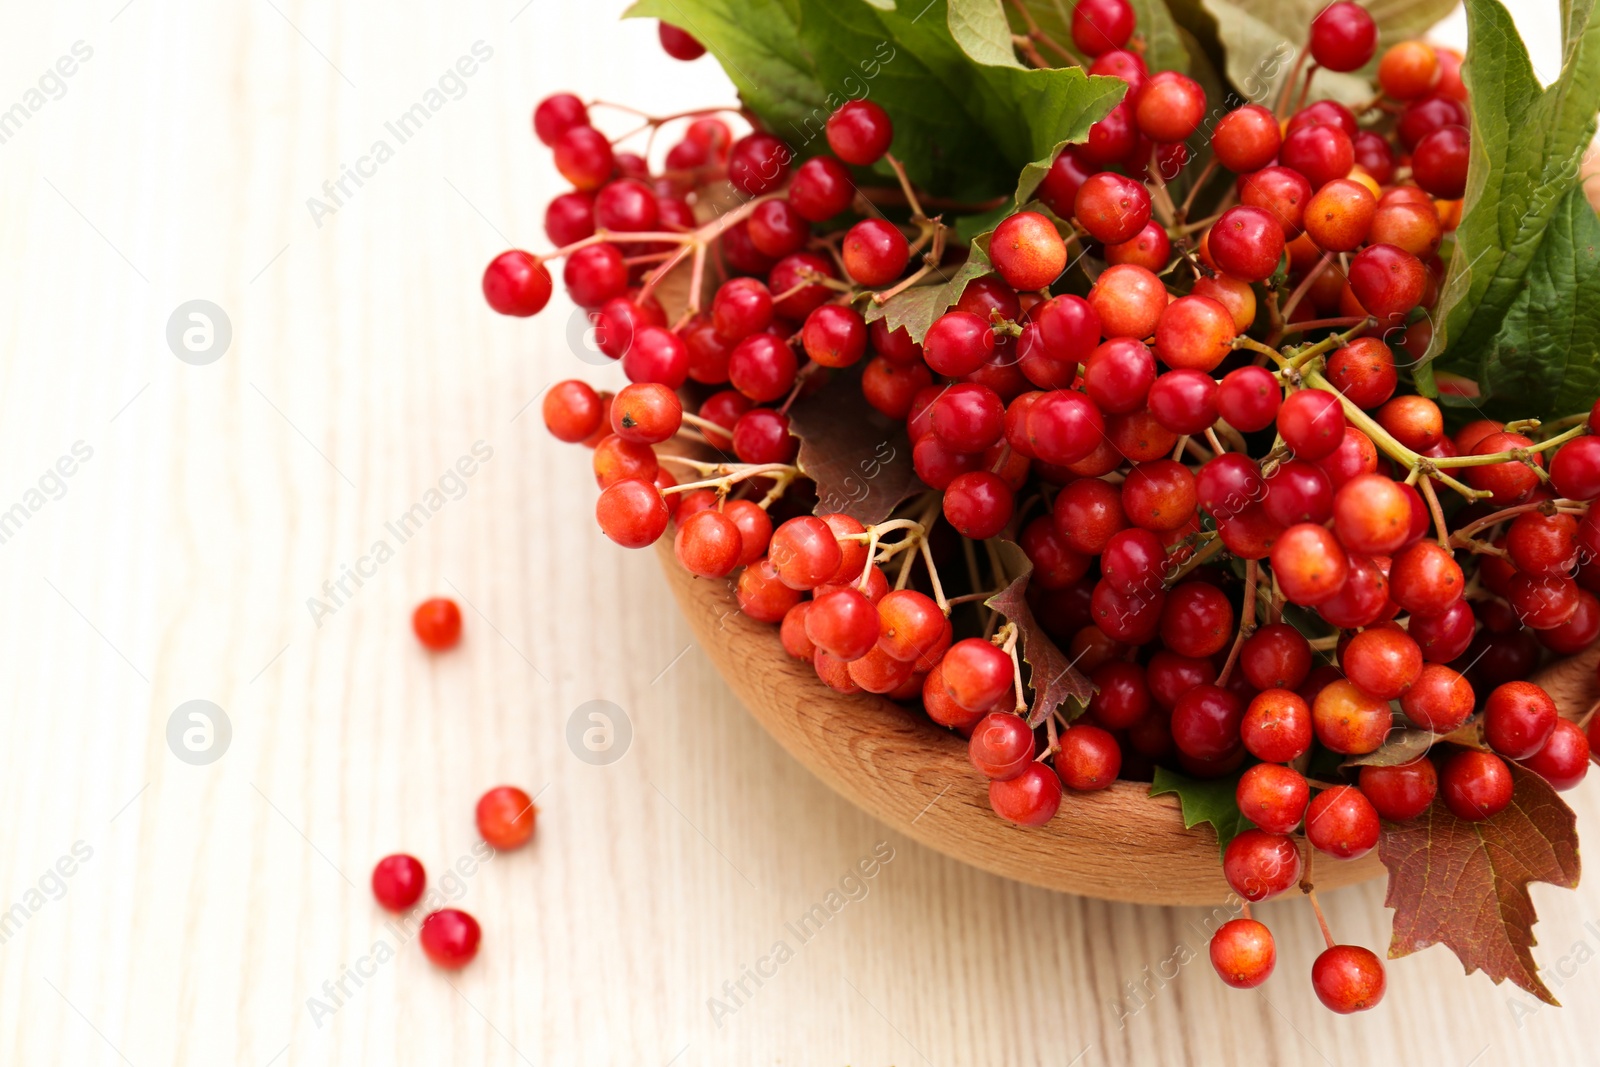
pixel 212 910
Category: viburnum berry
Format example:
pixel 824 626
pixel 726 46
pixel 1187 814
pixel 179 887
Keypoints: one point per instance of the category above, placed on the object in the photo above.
pixel 1343 37
pixel 1277 726
pixel 859 132
pixel 1205 722
pixel 1028 252
pixel 1098 26
pixel 450 938
pixel 1401 792
pixel 1112 207
pixel 1348 978
pixel 1089 758
pixel 709 544
pixel 1563 761
pixel 1475 785
pixel 398 881
pixel 437 623
pixel 1309 563
pixel 1322 153
pixel 1259 864
pixel 978 504
pixel 1348 720
pixel 1440 700
pixel 1032 798
pixel 1184 401
pixel 516 283
pixel 977 674
pixel 1128 301
pixel 1150 248
pixel 1575 469
pixel 1342 822
pixel 1311 423
pixel 1364 372
pixel 646 412
pixel 758 163
pixel 584 157
pixel 505 816
pixel 1170 107
pixel 1118 375
pixel 875 252
pixel 556 114
pixel 844 623
pixel 1249 398
pixel 1282 193
pixel 1247 243
pixel 1273 797
pixel 804 552
pixel 632 513
pixel 1388 281
pixel 1246 139
pixel 1407 70
pixel 1243 953
pixel 1299 492
pixel 1195 333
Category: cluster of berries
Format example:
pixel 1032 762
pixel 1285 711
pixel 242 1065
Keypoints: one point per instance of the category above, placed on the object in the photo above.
pixel 1194 480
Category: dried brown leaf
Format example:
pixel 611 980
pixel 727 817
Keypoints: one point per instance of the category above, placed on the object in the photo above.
pixel 1465 884
pixel 859 458
pixel 1052 676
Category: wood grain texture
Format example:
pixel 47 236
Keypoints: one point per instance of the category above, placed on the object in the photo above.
pixel 1117 844
pixel 177 563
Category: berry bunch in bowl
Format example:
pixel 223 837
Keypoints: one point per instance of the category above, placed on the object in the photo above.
pixel 1199 448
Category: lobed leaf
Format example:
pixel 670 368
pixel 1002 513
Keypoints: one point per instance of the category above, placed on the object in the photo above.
pixel 859 457
pixel 1052 676
pixel 1465 884
pixel 1522 296
pixel 1210 801
pixel 917 307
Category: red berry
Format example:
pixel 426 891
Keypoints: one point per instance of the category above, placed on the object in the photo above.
pixel 859 132
pixel 516 283
pixel 398 881
pixel 1249 398
pixel 1382 661
pixel 1259 865
pixel 1311 422
pixel 1322 153
pixel 1348 978
pixel 679 44
pixel 1402 792
pixel 1246 139
pixel 1195 333
pixel 1206 722
pixel 1170 107
pixel 1343 37
pixel 1518 718
pixel 1388 281
pixel 821 189
pixel 1475 785
pixel 1032 798
pixel 834 336
pixel 1027 251
pixel 1243 953
pixel 556 114
pixel 1277 726
pixel 1564 759
pixel 1089 758
pixel 1350 721
pixel 506 817
pixel 1112 207
pixel 1273 797
pixel 758 163
pixel 584 157
pixel 572 411
pixel 978 504
pixel 709 544
pixel 1001 745
pixel 875 253
pixel 1575 469
pixel 450 938
pixel 1309 564
pixel 1342 822
pixel 646 412
pixel 437 623
pixel 976 673
pixel 1247 243
pixel 1098 26
pixel 1439 162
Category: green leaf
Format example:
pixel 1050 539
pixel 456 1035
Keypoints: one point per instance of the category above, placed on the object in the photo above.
pixel 758 44
pixel 1522 297
pixel 961 127
pixel 917 307
pixel 981 29
pixel 1211 801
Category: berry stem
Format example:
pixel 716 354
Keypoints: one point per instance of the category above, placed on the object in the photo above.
pixel 1194 190
pixel 1211 548
pixel 696 242
pixel 905 186
pixel 727 473
pixel 1287 89
pixel 1436 511
pixel 901 286
pixel 1521 454
pixel 1247 619
pixel 1327 344
pixel 1463 536
pixel 1007 640
pixel 1311 895
pixel 1320 324
pixel 1037 34
pixel 1305 285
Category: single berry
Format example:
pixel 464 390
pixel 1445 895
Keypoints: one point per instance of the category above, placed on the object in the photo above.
pixel 437 623
pixel 398 881
pixel 506 817
pixel 450 938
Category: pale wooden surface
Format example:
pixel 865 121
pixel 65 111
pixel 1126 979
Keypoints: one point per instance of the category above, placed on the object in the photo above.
pixel 178 562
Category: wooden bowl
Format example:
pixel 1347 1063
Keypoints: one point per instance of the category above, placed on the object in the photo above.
pixel 1116 844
